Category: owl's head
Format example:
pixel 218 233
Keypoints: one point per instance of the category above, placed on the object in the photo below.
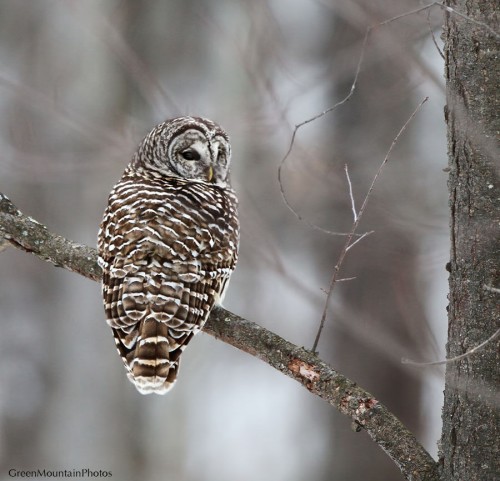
pixel 191 148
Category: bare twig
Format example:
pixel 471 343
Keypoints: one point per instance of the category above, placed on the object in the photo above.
pixel 347 244
pixel 404 360
pixel 295 362
pixel 351 92
pixel 448 9
pixel 308 121
pixel 431 31
pixel 466 17
pixel 351 195
pixel 361 237
pixel 491 289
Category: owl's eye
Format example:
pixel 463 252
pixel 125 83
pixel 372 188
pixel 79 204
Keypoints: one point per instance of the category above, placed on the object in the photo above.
pixel 191 154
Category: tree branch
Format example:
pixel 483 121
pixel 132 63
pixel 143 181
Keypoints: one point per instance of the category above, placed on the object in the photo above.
pixel 29 235
pixel 319 378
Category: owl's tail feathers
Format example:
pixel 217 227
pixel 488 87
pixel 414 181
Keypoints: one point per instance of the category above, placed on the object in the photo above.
pixel 153 366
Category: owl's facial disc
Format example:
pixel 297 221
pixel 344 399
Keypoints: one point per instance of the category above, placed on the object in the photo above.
pixel 190 156
pixel 194 156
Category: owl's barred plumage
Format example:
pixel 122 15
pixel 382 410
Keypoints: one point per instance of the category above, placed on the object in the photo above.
pixel 168 244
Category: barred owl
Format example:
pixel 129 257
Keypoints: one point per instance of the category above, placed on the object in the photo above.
pixel 168 244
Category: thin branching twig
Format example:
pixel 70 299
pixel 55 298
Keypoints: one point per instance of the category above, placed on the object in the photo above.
pixel 431 31
pixel 448 9
pixel 470 352
pixel 491 289
pixel 351 92
pixel 351 195
pixel 347 244
pixel 308 121
pixel 405 360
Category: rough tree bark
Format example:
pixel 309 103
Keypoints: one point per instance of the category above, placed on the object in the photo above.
pixel 470 450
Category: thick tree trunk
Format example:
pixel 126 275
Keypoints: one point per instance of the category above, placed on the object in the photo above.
pixel 471 423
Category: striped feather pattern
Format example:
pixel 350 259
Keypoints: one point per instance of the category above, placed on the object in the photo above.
pixel 167 246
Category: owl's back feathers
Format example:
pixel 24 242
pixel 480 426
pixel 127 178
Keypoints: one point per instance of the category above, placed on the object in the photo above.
pixel 167 247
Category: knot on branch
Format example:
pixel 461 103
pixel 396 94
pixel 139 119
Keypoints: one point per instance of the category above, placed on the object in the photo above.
pixel 306 373
pixel 360 409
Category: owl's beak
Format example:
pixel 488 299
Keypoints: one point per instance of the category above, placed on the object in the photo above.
pixel 210 173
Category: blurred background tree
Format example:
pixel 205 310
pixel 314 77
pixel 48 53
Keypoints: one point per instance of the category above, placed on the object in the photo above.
pixel 80 84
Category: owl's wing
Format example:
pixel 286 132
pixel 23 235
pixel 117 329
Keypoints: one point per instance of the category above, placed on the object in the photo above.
pixel 161 280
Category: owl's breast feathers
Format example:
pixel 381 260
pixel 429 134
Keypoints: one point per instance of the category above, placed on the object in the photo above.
pixel 167 248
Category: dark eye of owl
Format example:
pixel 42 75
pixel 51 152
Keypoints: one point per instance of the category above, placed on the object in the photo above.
pixel 190 154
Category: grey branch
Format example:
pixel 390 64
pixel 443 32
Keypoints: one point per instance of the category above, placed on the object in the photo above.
pixel 319 378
